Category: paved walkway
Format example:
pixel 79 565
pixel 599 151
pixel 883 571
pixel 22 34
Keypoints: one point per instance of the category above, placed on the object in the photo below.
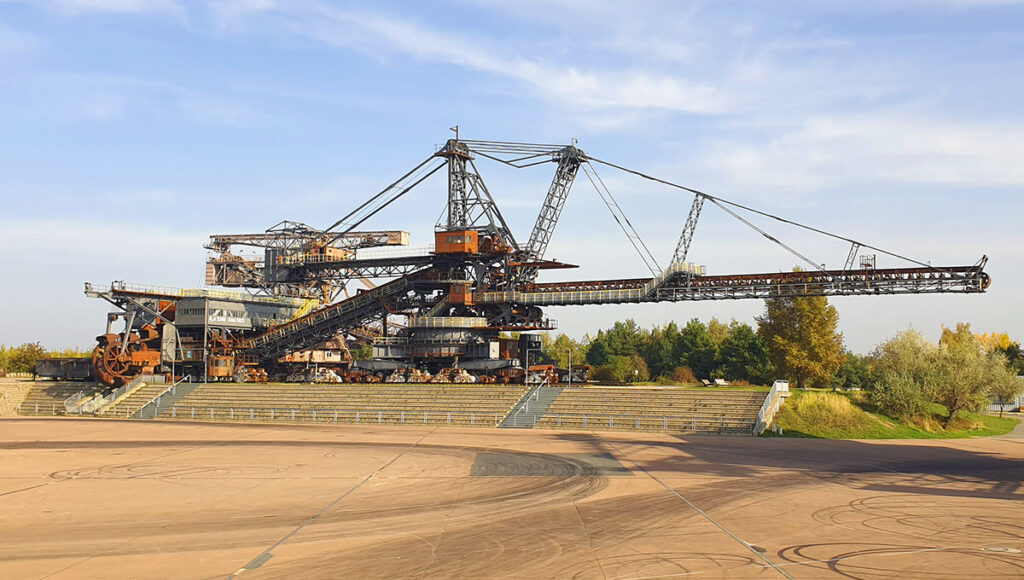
pixel 1018 431
pixel 153 499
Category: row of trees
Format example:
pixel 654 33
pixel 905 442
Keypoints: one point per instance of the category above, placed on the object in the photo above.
pixel 626 352
pixel 963 372
pixel 795 337
pixel 22 359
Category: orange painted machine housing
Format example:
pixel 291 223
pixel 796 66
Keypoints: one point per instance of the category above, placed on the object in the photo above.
pixel 457 242
pixel 460 294
pixel 221 366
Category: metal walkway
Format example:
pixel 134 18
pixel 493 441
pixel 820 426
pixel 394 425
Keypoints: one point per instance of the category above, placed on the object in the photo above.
pixel 680 283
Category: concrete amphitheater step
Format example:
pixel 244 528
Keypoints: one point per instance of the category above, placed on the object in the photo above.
pixel 665 409
pixel 391 403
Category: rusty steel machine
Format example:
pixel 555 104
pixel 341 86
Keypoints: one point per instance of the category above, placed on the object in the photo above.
pixel 465 310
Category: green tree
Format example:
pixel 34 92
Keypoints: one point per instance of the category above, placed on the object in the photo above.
pixel 622 339
pixel 695 349
pixel 744 355
pixel 659 349
pixel 963 372
pixel 901 370
pixel 623 369
pixel 597 354
pixel 853 373
pixel 625 338
pixel 1005 384
pixel 558 350
pixel 802 338
pixel 1014 357
pixel 21 359
pixel 718 331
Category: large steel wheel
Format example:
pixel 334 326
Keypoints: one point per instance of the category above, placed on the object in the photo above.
pixel 112 367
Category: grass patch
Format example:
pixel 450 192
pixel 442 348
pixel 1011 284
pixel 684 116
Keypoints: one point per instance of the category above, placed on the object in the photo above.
pixel 828 415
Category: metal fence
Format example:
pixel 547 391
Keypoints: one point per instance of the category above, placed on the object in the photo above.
pixel 672 423
pixel 401 416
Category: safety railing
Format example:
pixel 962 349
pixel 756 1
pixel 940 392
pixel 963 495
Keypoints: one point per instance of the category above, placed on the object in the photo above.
pixel 447 322
pixel 73 401
pixel 374 254
pixel 368 415
pixel 765 416
pixel 672 423
pixel 171 390
pixel 401 252
pixel 98 404
pixel 134 288
pixel 523 405
pixel 593 296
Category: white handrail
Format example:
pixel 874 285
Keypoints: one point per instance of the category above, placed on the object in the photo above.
pixel 770 406
pixel 73 401
pixel 171 389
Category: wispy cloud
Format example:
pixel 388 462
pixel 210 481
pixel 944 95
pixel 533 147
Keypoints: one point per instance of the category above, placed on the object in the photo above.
pixel 114 6
pixel 570 85
pixel 829 151
pixel 17 41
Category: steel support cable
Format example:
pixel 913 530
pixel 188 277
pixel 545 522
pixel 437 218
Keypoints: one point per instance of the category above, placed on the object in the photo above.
pixel 353 215
pixel 489 206
pixel 768 215
pixel 627 227
pixel 511 146
pixel 768 236
pixel 515 162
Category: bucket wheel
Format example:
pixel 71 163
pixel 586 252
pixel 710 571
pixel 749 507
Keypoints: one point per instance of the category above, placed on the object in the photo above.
pixel 116 365
pixel 111 365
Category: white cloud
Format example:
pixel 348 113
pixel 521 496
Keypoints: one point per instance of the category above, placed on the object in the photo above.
pixel 17 41
pixel 828 151
pixel 115 6
pixel 571 86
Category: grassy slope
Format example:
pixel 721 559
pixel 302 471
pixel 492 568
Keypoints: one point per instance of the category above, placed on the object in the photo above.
pixel 842 416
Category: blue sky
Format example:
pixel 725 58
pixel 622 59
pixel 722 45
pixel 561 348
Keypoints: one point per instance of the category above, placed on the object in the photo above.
pixel 132 129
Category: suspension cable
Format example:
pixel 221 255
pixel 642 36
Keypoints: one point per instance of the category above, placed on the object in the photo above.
pixel 768 236
pixel 624 223
pixel 768 215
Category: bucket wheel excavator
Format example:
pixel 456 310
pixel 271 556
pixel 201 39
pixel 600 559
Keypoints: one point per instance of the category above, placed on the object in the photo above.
pixel 443 312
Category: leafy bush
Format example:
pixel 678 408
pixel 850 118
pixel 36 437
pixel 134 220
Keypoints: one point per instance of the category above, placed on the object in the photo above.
pixel 21 359
pixel 898 394
pixel 683 375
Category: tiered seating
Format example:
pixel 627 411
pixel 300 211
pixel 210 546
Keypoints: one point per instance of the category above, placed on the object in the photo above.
pixel 483 405
pixel 136 400
pixel 662 409
pixel 47 397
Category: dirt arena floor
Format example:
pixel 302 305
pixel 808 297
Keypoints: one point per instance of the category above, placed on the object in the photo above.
pixel 118 499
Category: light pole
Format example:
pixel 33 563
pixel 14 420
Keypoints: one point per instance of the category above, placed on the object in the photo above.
pixel 526 379
pixel 568 350
pixel 570 366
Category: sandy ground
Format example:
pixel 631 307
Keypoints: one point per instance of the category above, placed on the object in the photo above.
pixel 119 499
